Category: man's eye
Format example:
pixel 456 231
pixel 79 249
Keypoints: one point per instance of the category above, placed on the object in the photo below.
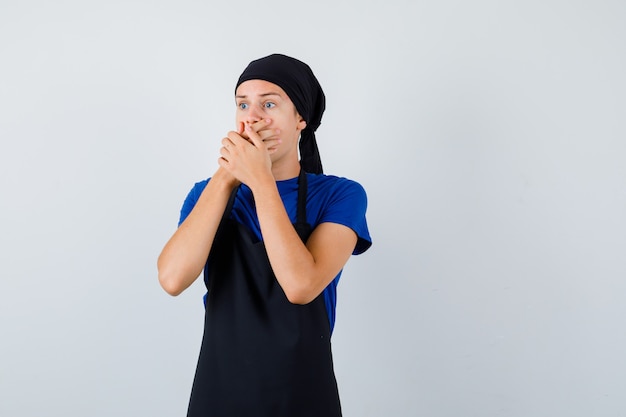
pixel 269 105
pixel 243 106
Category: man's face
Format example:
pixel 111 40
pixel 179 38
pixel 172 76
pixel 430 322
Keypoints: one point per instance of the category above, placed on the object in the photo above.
pixel 259 99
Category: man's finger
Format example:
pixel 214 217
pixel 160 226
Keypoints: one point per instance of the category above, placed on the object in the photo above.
pixel 254 137
pixel 268 134
pixel 257 126
pixel 260 125
pixel 272 144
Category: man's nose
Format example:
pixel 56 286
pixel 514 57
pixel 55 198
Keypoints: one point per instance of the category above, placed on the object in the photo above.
pixel 254 114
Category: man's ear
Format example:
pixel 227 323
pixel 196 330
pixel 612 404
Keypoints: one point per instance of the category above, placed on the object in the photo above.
pixel 301 123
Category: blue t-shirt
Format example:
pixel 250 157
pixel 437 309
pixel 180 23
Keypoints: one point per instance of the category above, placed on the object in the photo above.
pixel 329 199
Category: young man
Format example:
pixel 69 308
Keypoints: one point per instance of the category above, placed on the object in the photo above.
pixel 272 234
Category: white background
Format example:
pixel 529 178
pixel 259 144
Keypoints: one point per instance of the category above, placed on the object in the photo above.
pixel 489 135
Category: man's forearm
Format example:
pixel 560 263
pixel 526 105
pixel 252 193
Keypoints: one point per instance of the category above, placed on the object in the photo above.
pixel 185 254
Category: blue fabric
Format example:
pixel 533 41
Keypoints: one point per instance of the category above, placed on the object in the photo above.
pixel 329 199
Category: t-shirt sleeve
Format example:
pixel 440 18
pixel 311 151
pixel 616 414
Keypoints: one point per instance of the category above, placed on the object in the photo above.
pixel 191 199
pixel 347 206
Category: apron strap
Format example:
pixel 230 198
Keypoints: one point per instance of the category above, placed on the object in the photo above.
pixel 302 227
pixel 231 202
pixel 302 191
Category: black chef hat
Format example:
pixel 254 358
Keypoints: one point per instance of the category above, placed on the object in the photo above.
pixel 297 80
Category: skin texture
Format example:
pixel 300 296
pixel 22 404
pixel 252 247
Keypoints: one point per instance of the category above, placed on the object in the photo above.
pixel 263 150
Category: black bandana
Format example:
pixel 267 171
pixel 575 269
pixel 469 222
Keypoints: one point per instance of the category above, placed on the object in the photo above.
pixel 297 80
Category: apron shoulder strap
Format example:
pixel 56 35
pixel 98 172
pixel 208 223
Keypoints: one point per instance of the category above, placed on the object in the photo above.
pixel 231 202
pixel 302 227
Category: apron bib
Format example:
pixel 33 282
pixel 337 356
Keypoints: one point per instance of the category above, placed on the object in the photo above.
pixel 261 355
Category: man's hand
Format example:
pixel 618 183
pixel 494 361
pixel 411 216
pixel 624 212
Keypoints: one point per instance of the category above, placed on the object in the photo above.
pixel 245 154
pixel 268 135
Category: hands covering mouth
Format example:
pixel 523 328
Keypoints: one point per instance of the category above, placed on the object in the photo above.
pixel 268 135
pixel 245 153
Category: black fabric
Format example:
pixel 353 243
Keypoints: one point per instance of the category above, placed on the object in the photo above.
pixel 261 356
pixel 297 80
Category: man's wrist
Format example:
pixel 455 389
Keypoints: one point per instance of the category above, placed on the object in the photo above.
pixel 225 179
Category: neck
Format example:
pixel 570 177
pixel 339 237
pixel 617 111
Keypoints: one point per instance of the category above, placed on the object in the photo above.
pixel 283 171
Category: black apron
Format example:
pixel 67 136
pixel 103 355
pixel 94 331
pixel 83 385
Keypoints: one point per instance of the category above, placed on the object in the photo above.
pixel 261 355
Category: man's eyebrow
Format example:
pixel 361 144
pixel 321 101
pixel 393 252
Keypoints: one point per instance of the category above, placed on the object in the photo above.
pixel 262 95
